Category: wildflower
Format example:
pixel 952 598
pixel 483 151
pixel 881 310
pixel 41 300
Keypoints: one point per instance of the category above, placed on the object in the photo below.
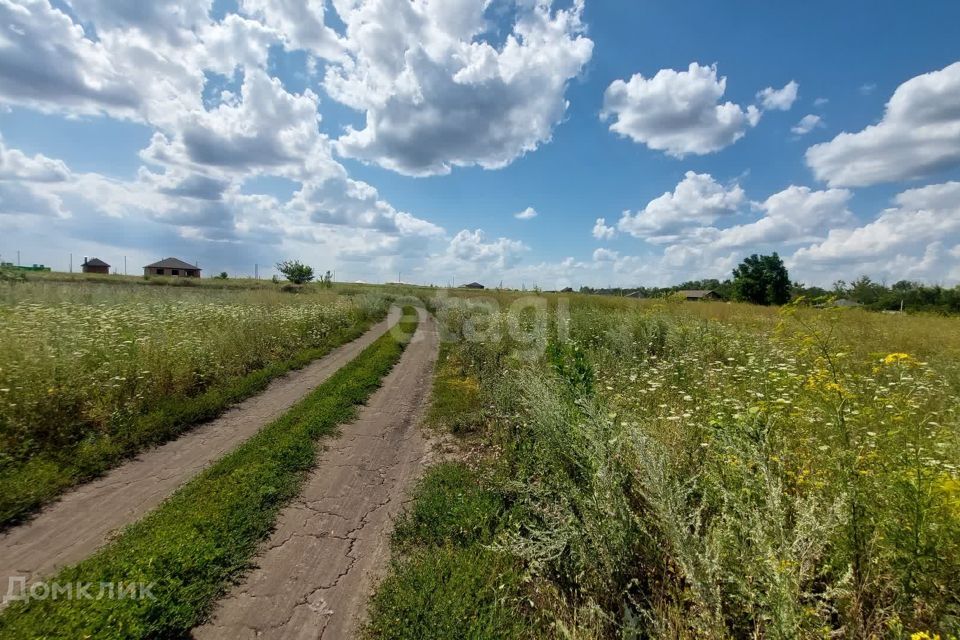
pixel 897 358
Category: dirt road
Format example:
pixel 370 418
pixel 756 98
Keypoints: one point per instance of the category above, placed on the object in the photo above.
pixel 83 520
pixel 315 574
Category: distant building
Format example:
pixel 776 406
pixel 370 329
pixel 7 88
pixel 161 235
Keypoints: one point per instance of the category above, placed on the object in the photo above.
pixel 699 294
pixel 474 285
pixel 567 290
pixel 172 267
pixel 95 265
pixel 635 294
pixel 17 267
pixel 844 303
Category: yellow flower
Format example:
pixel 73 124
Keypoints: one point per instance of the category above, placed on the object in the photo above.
pixel 924 635
pixel 898 358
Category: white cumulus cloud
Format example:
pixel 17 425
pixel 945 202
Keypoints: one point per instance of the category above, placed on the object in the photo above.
pixel 473 247
pixel 807 124
pixel 527 214
pixel 918 135
pixel 16 165
pixel 920 218
pixel 678 112
pixel 437 93
pixel 779 99
pixel 301 22
pixel 696 200
pixel 603 232
pixel 605 255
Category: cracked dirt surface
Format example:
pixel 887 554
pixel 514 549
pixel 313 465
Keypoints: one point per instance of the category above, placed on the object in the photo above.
pixel 84 519
pixel 331 545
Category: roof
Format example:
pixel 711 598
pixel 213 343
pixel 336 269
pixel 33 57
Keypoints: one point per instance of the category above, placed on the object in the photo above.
pixel 635 294
pixel 473 285
pixel 95 262
pixel 172 263
pixel 697 293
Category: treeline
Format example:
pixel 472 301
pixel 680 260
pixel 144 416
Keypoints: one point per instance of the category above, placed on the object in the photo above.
pixel 877 296
pixel 723 288
pixel 911 296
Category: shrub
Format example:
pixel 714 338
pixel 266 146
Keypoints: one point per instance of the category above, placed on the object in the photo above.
pixel 295 271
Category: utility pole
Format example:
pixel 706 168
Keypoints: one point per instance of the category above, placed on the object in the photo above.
pixel 71 263
pixel 256 271
pixel 124 265
pixel 18 257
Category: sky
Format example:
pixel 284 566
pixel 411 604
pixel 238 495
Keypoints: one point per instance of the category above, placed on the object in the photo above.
pixel 522 142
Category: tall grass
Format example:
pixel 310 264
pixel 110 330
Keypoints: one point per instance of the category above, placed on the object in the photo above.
pixel 716 471
pixel 201 540
pixel 90 373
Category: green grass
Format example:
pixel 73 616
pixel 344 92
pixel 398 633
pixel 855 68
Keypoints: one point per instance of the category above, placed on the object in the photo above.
pixel 32 483
pixel 450 593
pixel 445 581
pixel 456 404
pixel 451 506
pixel 202 538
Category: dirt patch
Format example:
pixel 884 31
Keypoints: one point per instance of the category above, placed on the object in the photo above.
pixel 84 519
pixel 331 546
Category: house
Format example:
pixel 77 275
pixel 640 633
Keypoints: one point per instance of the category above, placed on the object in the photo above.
pixel 635 294
pixel 474 285
pixel 699 294
pixel 567 290
pixel 172 267
pixel 95 265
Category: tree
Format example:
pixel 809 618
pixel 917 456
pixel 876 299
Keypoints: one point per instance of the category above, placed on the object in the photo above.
pixel 295 271
pixel 762 280
pixel 866 291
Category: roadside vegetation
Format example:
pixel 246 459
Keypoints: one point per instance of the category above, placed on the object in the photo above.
pixel 687 470
pixel 92 374
pixel 446 582
pixel 202 539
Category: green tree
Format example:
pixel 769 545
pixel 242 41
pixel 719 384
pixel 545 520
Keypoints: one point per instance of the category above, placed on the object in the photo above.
pixel 295 271
pixel 762 280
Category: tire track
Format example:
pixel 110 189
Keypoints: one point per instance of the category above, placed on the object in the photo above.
pixel 84 519
pixel 331 545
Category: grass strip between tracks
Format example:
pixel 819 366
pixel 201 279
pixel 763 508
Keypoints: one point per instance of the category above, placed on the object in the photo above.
pixel 189 550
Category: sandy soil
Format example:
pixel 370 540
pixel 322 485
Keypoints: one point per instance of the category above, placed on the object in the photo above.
pixel 316 573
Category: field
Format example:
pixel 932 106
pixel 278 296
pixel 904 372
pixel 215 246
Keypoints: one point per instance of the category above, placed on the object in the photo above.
pixel 685 470
pixel 201 540
pixel 615 468
pixel 92 372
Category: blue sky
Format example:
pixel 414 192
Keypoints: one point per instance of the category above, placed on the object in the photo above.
pixel 378 137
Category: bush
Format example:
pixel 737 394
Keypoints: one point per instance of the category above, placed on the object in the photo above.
pixel 295 271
